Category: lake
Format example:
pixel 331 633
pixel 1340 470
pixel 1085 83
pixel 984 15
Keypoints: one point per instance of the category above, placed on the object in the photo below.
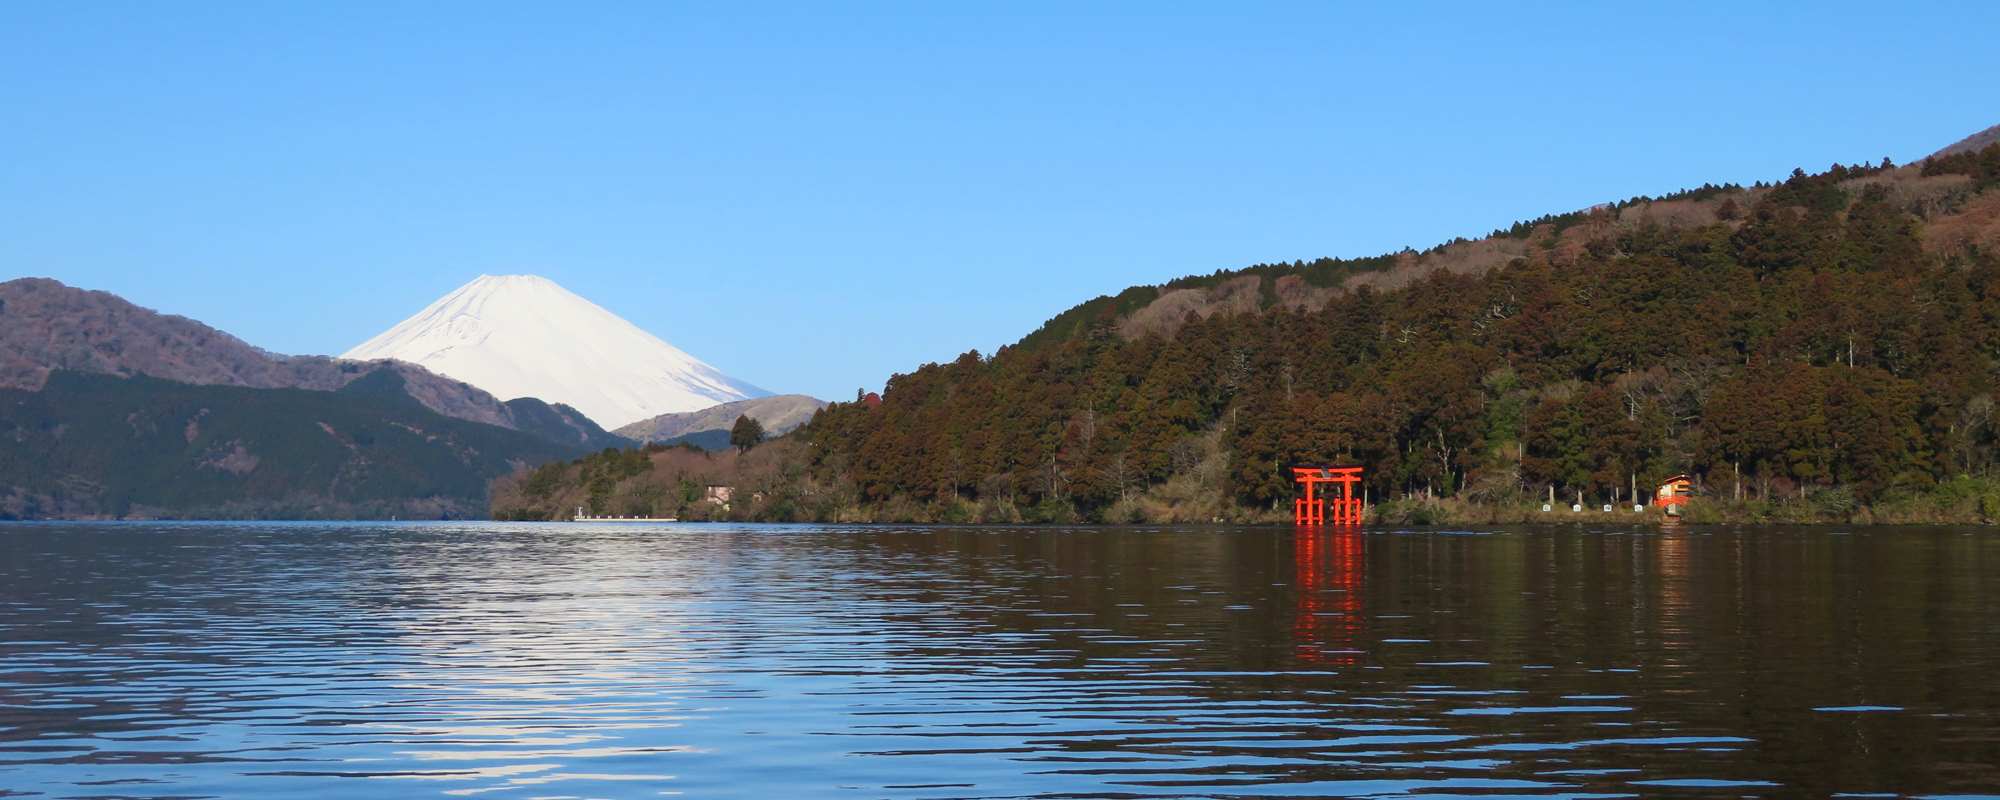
pixel 580 660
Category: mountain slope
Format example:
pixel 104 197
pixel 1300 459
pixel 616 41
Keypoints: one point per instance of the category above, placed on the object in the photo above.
pixel 1819 348
pixel 1823 348
pixel 525 336
pixel 709 427
pixel 1977 141
pixel 100 445
pixel 1312 285
pixel 46 326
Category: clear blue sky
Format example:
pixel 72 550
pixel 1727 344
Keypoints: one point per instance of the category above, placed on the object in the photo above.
pixel 812 200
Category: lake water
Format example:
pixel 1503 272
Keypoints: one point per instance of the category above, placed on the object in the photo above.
pixel 528 661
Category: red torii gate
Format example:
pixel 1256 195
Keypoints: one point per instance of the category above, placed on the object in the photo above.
pixel 1312 509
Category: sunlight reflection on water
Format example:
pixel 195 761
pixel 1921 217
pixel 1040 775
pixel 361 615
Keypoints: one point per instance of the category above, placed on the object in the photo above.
pixel 385 660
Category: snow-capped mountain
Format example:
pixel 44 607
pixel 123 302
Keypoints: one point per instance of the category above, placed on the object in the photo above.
pixel 525 336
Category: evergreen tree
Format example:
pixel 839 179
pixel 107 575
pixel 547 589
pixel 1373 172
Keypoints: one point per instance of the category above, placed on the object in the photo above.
pixel 746 433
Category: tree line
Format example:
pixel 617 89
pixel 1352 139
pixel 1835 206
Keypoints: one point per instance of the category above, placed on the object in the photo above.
pixel 1804 341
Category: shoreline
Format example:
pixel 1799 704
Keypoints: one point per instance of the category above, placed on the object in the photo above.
pixel 1552 518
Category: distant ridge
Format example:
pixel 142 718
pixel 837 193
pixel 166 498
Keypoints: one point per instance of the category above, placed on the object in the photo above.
pixel 526 336
pixel 709 427
pixel 96 445
pixel 46 326
pixel 1977 141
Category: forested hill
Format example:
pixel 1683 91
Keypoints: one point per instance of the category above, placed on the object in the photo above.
pixel 1825 346
pixel 92 445
pixel 1310 285
pixel 1834 335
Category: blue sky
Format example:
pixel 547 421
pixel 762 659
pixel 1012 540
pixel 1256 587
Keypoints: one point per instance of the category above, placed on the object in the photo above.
pixel 812 199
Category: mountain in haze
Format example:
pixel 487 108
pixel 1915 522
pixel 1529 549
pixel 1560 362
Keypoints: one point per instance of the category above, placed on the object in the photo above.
pixel 525 336
pixel 46 326
pixel 709 427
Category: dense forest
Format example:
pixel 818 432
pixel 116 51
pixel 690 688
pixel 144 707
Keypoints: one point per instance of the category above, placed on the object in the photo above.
pixel 94 445
pixel 1827 344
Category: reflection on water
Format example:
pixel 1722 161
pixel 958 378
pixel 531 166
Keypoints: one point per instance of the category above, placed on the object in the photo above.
pixel 509 660
pixel 1327 570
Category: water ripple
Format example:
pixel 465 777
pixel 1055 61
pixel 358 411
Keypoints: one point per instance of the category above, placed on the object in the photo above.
pixel 206 660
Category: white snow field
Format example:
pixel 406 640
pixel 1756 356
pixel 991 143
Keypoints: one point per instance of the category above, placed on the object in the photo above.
pixel 525 336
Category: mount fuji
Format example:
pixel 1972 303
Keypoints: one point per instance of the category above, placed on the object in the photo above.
pixel 525 336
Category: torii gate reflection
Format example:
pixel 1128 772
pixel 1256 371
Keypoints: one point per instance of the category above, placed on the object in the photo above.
pixel 1328 574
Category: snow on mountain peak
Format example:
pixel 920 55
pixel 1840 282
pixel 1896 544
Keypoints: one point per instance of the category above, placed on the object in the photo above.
pixel 527 336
